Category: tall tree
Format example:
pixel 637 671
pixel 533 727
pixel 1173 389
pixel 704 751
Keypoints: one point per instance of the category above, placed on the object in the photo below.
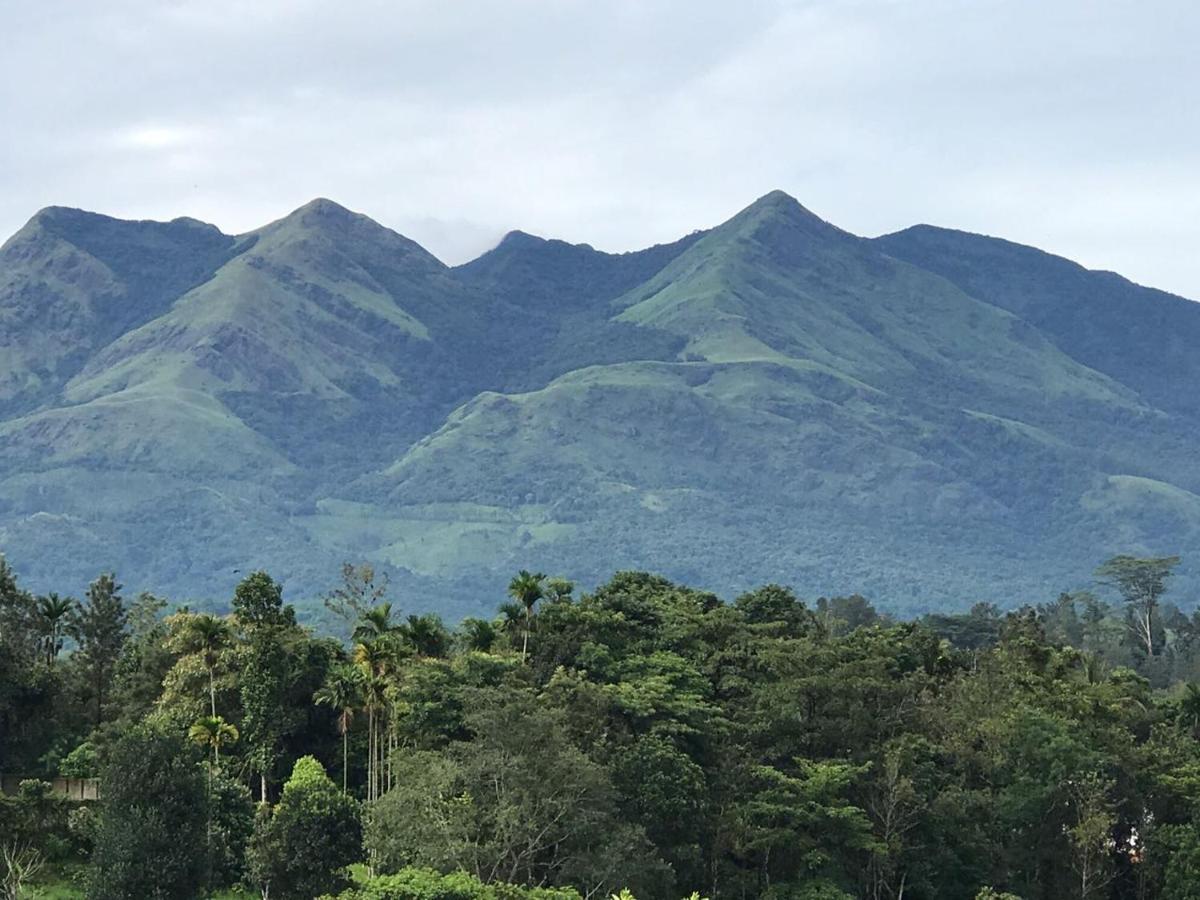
pixel 213 732
pixel 99 627
pixel 360 590
pixel 1141 583
pixel 54 614
pixel 206 635
pixel 259 609
pixel 302 848
pixel 342 692
pixel 527 588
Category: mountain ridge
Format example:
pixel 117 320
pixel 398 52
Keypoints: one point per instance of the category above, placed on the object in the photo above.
pixel 322 388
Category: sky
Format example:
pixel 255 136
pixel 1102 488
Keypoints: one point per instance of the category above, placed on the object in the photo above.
pixel 1072 125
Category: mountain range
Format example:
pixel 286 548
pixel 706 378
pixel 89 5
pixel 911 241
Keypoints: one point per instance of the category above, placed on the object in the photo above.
pixel 930 418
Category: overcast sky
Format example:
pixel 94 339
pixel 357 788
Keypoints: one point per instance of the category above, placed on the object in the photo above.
pixel 1073 125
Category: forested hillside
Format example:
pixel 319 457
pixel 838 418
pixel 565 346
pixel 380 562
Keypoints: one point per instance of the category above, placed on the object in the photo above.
pixel 644 739
pixel 931 418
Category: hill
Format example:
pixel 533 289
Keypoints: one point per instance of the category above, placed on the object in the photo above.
pixel 918 417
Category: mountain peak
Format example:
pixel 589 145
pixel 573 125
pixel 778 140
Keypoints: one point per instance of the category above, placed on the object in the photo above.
pixel 517 238
pixel 780 205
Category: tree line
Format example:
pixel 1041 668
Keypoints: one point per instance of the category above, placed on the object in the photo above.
pixel 645 739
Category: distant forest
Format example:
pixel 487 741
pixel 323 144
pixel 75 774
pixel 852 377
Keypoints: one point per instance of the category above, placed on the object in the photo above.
pixel 645 740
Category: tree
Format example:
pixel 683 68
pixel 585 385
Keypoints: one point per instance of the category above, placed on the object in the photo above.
pixel 478 635
pixel 207 636
pixel 258 602
pixel 1091 833
pixel 302 847
pixel 426 636
pixel 99 626
pixel 376 660
pixel 53 614
pixel 342 692
pixel 1141 583
pixel 259 609
pixel 517 803
pixel 152 820
pixel 374 624
pixel 359 591
pixel 527 589
pixel 213 732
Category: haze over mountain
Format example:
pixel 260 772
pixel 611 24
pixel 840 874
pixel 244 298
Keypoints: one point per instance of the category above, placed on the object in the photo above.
pixel 930 418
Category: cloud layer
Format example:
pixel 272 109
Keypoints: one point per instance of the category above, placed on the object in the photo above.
pixel 1071 125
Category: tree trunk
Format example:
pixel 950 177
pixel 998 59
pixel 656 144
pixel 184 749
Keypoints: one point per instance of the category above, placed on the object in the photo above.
pixel 262 784
pixel 212 691
pixel 345 754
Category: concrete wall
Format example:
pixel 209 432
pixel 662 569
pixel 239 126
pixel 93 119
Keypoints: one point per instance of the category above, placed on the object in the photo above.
pixel 82 789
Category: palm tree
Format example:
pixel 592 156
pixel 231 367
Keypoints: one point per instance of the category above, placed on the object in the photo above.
pixel 526 588
pixel 374 624
pixel 215 732
pixel 52 611
pixel 1189 707
pixel 426 636
pixel 375 660
pixel 477 634
pixel 342 692
pixel 206 635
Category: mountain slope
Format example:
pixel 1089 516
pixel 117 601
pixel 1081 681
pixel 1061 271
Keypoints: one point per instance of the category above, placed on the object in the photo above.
pixel 71 281
pixel 823 390
pixel 928 417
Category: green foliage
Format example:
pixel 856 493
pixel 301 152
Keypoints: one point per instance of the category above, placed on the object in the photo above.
pixel 154 809
pixel 412 883
pixel 82 762
pixel 302 847
pixel 100 628
pixel 517 802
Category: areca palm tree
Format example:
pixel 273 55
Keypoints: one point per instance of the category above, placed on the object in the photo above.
pixel 214 732
pixel 52 613
pixel 342 692
pixel 527 589
pixel 206 635
pixel 375 659
pixel 375 623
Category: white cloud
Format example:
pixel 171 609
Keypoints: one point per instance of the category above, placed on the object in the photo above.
pixel 1067 125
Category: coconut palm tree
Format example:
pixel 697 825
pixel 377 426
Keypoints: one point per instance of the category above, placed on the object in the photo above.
pixel 527 589
pixel 206 635
pixel 342 692
pixel 214 732
pixel 52 613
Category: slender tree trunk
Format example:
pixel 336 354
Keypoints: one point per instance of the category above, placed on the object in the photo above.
pixel 525 642
pixel 345 752
pixel 262 785
pixel 370 754
pixel 212 690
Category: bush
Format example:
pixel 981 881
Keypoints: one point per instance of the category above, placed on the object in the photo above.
pixel 82 762
pixel 426 884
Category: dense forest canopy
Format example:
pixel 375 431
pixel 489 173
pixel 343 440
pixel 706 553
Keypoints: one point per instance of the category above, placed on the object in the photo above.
pixel 645 740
